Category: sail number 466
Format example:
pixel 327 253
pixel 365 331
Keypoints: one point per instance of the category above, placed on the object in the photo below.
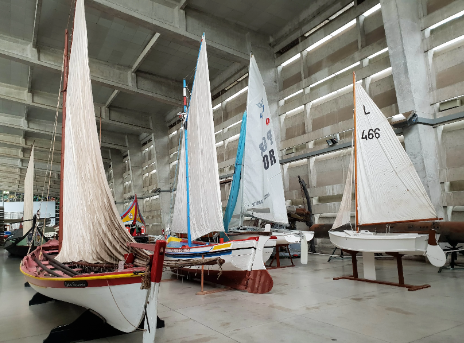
pixel 371 134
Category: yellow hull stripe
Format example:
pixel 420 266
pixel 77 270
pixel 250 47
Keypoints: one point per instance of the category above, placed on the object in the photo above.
pixel 100 277
pixel 222 246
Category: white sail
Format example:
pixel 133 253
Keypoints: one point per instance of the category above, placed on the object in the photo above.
pixel 179 219
pixel 203 184
pixel 388 187
pixel 29 194
pixel 263 189
pixel 92 228
pixel 344 212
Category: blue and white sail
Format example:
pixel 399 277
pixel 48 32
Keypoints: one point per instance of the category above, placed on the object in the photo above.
pixel 261 192
pixel 198 207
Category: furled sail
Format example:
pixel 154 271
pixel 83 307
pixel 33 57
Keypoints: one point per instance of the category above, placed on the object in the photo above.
pixel 29 194
pixel 205 205
pixel 92 228
pixel 388 187
pixel 263 189
pixel 234 204
pixel 344 212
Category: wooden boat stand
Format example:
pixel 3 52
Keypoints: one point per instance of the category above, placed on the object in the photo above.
pixel 203 292
pixel 399 264
pixel 277 257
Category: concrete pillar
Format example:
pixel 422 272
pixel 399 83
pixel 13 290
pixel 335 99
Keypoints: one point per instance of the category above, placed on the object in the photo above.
pixel 119 168
pixel 136 162
pixel 410 75
pixel 161 143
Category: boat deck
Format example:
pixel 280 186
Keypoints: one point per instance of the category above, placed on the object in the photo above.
pixel 305 305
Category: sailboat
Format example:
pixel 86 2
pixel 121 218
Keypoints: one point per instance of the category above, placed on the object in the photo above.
pixel 96 264
pixel 25 242
pixel 132 218
pixel 198 209
pixel 257 189
pixel 387 190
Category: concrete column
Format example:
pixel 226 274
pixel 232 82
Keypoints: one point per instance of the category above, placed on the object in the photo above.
pixel 161 143
pixel 136 162
pixel 411 79
pixel 119 168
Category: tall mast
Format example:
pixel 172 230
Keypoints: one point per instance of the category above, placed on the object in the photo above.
pixel 355 155
pixel 63 125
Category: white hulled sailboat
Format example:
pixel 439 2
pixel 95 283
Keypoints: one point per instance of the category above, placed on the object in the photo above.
pixel 257 189
pixel 198 209
pixel 387 190
pixel 98 265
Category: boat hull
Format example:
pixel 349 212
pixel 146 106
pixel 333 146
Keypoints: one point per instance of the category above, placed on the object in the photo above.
pixel 115 296
pixel 282 238
pixel 243 266
pixel 365 241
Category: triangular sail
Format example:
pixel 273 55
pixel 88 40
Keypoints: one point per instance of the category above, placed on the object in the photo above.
pixel 92 228
pixel 133 215
pixel 29 194
pixel 179 219
pixel 234 204
pixel 263 189
pixel 205 207
pixel 344 212
pixel 388 187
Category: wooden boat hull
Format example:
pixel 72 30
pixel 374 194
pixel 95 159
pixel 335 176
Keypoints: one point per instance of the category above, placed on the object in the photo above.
pixel 366 241
pixel 115 296
pixel 283 238
pixel 243 267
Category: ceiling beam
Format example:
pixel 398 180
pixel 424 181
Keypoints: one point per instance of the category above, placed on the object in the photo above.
pixel 112 76
pixel 133 122
pixel 35 31
pixel 111 98
pixel 145 52
pixel 229 40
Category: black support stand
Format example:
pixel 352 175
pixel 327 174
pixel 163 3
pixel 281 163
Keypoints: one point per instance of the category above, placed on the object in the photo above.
pixel 87 327
pixel 38 299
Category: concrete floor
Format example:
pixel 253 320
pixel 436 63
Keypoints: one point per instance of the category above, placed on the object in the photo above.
pixel 305 305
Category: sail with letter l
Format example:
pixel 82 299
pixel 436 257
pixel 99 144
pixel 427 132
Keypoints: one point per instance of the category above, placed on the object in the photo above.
pixel 29 194
pixel 388 187
pixel 262 185
pixel 92 228
pixel 204 198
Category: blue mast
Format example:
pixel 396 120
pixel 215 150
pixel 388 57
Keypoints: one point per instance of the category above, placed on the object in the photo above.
pixel 186 150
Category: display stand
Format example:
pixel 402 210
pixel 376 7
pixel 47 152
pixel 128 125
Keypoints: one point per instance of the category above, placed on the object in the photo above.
pixel 333 256
pixel 277 257
pixel 87 327
pixel 453 250
pixel 370 265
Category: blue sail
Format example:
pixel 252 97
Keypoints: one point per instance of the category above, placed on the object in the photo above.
pixel 234 189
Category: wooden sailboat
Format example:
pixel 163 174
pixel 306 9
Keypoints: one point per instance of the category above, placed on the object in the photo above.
pixel 133 220
pixel 25 242
pixel 197 208
pixel 257 189
pixel 387 190
pixel 96 264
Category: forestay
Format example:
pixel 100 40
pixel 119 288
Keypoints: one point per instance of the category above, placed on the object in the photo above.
pixel 92 229
pixel 344 212
pixel 29 194
pixel 263 189
pixel 203 185
pixel 388 187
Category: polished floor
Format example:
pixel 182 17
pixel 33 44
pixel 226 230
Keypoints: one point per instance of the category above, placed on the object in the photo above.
pixel 305 305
